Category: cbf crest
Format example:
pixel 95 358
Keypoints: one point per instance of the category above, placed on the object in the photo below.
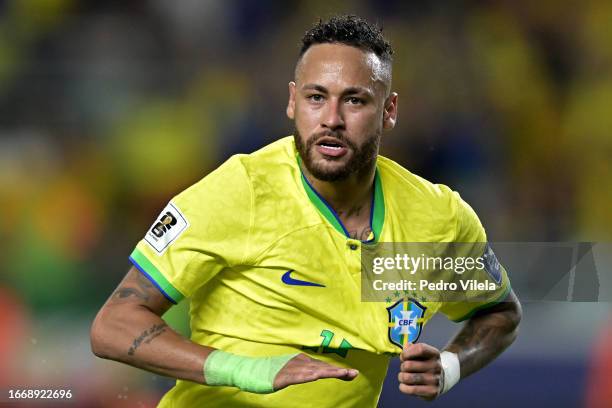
pixel 405 321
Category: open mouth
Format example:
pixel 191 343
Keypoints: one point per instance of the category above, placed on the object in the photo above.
pixel 330 146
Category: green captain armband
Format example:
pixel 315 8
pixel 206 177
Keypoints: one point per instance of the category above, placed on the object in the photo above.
pixel 252 374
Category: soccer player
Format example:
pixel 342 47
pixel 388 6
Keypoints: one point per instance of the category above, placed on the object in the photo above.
pixel 267 247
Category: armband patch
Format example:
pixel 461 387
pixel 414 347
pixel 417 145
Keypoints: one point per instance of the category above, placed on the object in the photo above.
pixel 492 265
pixel 168 227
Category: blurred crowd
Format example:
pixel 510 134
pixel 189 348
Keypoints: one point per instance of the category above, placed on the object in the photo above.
pixel 109 108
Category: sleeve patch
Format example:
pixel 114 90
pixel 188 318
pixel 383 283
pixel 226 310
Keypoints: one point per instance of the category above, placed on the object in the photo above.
pixel 492 265
pixel 168 227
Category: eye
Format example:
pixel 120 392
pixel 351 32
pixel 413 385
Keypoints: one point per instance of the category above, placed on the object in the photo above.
pixel 353 100
pixel 315 97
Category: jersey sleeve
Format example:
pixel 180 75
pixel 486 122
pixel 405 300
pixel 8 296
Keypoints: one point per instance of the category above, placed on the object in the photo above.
pixel 200 232
pixel 470 230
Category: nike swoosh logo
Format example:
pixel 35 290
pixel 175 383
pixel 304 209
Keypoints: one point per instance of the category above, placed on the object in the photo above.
pixel 287 279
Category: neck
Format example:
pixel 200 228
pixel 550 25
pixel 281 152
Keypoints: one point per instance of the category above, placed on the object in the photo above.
pixel 345 195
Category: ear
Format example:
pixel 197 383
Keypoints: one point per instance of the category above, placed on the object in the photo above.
pixel 390 113
pixel 291 103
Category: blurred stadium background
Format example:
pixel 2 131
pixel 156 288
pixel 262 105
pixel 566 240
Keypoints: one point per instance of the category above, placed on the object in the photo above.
pixel 108 108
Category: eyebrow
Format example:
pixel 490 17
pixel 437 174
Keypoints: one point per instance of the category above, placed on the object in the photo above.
pixel 348 91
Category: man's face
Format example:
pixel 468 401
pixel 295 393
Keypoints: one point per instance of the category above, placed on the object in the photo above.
pixel 340 107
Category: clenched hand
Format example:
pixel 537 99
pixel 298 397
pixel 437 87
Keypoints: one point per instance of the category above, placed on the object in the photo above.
pixel 420 371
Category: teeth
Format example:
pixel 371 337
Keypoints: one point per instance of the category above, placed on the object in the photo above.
pixel 332 147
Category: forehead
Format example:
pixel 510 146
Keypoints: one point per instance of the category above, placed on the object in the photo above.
pixel 340 64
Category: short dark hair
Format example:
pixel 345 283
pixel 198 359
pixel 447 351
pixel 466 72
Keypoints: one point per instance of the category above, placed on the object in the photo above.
pixel 350 30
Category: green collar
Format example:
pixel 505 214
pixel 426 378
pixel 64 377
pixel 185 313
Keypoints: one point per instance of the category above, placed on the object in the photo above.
pixel 377 213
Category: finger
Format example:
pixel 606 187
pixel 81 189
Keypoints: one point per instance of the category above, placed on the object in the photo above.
pixel 337 372
pixel 420 351
pixel 346 374
pixel 313 374
pixel 401 356
pixel 329 371
pixel 416 366
pixel 302 369
pixel 419 379
pixel 423 391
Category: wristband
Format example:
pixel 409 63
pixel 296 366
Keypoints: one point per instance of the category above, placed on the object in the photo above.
pixel 451 372
pixel 252 374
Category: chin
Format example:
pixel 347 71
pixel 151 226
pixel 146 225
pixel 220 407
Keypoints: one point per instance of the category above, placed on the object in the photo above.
pixel 326 172
pixel 331 164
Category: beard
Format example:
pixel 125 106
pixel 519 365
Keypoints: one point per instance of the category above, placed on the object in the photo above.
pixel 362 159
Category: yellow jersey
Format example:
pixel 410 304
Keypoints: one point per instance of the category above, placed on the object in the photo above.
pixel 270 270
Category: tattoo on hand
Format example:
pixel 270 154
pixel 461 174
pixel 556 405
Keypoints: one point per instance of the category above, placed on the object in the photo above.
pixel 147 336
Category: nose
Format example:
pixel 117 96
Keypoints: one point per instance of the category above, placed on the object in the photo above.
pixel 333 117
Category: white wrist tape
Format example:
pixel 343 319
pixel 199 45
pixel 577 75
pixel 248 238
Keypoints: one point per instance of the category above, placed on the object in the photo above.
pixel 451 372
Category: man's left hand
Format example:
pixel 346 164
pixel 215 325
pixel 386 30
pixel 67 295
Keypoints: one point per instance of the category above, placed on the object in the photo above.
pixel 420 371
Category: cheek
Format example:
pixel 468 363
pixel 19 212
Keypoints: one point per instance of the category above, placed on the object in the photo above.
pixel 306 117
pixel 366 121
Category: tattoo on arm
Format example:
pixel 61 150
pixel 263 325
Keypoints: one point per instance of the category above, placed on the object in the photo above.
pixel 147 336
pixel 484 337
pixel 137 286
pixel 122 293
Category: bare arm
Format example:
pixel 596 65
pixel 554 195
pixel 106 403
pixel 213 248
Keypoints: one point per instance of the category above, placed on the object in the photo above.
pixel 486 335
pixel 129 329
pixel 483 337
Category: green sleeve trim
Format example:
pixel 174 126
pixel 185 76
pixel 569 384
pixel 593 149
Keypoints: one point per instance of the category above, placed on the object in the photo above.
pixel 145 266
pixel 485 306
